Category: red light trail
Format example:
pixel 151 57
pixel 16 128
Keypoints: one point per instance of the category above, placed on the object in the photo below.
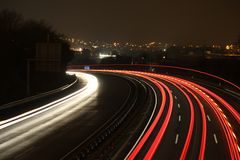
pixel 214 102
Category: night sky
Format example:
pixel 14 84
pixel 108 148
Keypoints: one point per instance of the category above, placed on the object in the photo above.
pixel 174 21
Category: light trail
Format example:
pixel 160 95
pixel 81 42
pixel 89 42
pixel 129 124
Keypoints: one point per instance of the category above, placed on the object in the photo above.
pixel 154 123
pixel 149 121
pixel 163 128
pixel 32 125
pixel 204 129
pixel 87 90
pixel 165 66
pixel 22 130
pixel 204 125
pixel 232 143
pixel 212 100
pixel 191 125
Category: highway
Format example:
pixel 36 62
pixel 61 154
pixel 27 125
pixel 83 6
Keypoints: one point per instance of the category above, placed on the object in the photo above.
pixel 18 133
pixel 126 114
pixel 54 129
pixel 192 122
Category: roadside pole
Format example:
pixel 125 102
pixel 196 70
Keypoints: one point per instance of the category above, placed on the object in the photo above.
pixel 28 77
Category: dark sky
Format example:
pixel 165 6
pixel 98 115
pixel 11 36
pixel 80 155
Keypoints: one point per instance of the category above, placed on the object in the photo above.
pixel 174 21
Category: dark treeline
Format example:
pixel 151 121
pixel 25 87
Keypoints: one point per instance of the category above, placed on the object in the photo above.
pixel 18 39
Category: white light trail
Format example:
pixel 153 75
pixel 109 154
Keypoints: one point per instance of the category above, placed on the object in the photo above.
pixel 20 131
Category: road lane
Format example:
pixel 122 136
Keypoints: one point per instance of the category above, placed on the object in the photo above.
pixel 191 121
pixel 205 100
pixel 67 125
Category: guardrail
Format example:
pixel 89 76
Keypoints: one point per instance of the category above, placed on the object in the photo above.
pixel 92 141
pixel 38 96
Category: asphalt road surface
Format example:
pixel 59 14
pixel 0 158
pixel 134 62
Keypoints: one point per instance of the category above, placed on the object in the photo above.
pixel 165 117
pixel 52 134
pixel 192 121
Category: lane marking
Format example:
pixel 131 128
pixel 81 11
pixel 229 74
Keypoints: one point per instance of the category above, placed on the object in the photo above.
pixel 179 118
pixel 176 139
pixel 215 138
pixel 175 97
pixel 179 106
pixel 209 119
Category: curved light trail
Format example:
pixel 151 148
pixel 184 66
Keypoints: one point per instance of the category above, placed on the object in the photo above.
pixel 191 125
pixel 162 130
pixel 214 101
pixel 164 67
pixel 229 134
pixel 22 130
pixel 154 123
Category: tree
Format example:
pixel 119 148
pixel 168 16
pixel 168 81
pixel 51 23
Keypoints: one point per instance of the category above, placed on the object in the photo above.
pixel 11 54
pixel 10 23
pixel 18 39
pixel 67 54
